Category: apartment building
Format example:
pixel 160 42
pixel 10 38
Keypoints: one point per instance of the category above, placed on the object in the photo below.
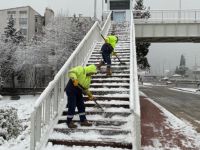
pixel 27 20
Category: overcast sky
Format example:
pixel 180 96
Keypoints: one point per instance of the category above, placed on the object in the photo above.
pixel 167 55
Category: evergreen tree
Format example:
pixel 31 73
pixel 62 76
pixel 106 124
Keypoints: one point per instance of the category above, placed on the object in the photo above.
pixel 10 32
pixel 9 44
pixel 142 48
pixel 181 69
pixel 182 61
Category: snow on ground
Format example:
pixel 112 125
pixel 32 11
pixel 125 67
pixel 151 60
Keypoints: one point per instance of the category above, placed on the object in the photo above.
pixel 24 106
pixel 188 90
pixel 184 127
pixel 175 123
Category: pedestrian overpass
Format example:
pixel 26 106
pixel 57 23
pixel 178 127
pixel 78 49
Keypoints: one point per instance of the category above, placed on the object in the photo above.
pixel 168 26
pixel 50 107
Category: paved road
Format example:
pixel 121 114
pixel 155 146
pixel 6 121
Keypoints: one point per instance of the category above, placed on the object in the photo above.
pixel 183 105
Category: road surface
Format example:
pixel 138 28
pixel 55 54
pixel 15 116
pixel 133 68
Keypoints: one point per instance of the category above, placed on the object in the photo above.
pixel 181 104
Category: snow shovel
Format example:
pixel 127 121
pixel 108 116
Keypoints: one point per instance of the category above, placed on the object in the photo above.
pixel 122 63
pixel 98 105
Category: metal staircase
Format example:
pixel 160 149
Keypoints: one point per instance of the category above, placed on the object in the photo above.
pixel 117 127
pixel 111 128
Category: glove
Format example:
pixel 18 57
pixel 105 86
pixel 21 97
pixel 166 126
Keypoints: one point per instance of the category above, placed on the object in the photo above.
pixel 114 53
pixel 90 96
pixel 75 82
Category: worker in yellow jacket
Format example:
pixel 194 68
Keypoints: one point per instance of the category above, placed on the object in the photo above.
pixel 107 49
pixel 79 83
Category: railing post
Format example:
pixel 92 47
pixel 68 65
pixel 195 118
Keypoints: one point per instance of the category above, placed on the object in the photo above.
pixel 32 135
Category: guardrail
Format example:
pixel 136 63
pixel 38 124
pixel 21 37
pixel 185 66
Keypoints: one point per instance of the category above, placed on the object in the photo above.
pixel 51 102
pixel 168 15
pixel 134 89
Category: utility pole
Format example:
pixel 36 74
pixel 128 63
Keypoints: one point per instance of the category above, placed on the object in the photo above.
pixel 95 9
pixel 179 9
pixel 102 10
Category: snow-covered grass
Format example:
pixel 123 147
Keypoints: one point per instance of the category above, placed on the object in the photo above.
pixel 24 108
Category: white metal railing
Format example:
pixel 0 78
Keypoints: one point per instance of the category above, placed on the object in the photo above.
pixel 51 102
pixel 106 25
pixel 169 15
pixel 134 89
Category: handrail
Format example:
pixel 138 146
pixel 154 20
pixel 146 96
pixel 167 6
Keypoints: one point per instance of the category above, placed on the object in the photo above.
pixel 51 103
pixel 134 89
pixel 164 15
pixel 107 24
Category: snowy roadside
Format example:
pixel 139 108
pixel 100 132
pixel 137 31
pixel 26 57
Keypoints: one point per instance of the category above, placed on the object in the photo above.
pixel 189 136
pixel 24 108
pixel 188 90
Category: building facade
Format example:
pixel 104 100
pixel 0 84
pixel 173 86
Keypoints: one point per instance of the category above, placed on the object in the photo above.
pixel 120 9
pixel 27 20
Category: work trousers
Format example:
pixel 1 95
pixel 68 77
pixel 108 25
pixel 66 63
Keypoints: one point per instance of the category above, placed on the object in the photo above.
pixel 106 50
pixel 75 99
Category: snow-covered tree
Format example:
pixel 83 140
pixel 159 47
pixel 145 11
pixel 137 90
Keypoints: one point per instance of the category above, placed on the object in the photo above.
pixel 11 34
pixel 182 61
pixel 142 48
pixel 181 69
pixel 8 45
pixel 52 48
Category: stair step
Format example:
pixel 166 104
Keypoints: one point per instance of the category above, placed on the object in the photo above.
pixel 91 143
pixel 98 92
pixel 109 97
pixel 119 55
pixel 110 80
pixel 122 57
pixel 102 131
pixel 113 59
pixel 99 122
pixel 106 114
pixel 108 86
pixel 127 61
pixel 107 105
pixel 113 76
pixel 118 52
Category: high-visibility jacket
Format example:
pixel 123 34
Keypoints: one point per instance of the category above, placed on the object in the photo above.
pixel 80 73
pixel 112 40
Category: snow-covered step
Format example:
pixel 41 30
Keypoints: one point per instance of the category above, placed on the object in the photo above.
pixel 118 54
pixel 103 91
pixel 113 58
pixel 99 122
pixel 122 49
pixel 109 97
pixel 119 80
pixel 96 61
pixel 104 114
pixel 113 75
pixel 116 63
pixel 99 56
pixel 112 143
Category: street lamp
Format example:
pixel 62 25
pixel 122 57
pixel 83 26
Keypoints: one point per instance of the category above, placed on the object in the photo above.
pixel 95 9
pixel 179 9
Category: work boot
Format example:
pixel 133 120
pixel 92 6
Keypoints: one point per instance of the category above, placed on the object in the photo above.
pixel 86 123
pixel 108 71
pixel 71 125
pixel 101 63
